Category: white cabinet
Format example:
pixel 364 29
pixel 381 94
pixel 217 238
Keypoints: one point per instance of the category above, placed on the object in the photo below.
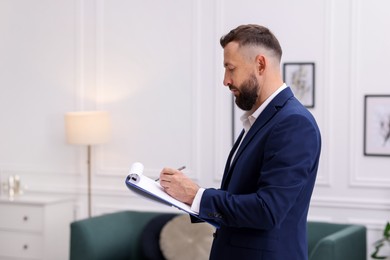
pixel 35 227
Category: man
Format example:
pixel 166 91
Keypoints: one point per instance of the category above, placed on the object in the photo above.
pixel 263 201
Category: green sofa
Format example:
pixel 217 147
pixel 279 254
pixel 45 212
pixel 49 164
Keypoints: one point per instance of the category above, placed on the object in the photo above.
pixel 120 235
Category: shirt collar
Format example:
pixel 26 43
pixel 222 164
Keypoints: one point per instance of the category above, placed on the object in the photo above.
pixel 249 117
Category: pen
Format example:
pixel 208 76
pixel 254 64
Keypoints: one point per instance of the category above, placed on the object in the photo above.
pixel 179 169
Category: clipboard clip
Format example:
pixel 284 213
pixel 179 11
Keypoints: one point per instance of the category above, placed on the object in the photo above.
pixel 133 178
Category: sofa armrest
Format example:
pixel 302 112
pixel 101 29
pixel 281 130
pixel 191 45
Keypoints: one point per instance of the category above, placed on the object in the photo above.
pixel 347 243
pixel 110 236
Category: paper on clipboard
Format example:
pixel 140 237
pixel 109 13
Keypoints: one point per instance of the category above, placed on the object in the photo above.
pixel 142 184
pixel 150 189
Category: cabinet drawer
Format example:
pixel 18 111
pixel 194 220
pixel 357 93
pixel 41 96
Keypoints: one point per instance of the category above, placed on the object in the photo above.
pixel 23 245
pixel 21 217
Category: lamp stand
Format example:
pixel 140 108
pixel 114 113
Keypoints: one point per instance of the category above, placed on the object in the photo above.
pixel 89 180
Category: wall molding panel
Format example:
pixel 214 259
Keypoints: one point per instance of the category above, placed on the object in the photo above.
pixel 103 170
pixel 37 72
pixel 349 203
pixel 361 174
pixel 223 101
pixel 323 93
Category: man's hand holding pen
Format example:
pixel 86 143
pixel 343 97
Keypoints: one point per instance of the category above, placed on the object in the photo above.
pixel 178 185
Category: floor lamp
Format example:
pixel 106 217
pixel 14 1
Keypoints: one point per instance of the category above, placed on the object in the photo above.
pixel 87 128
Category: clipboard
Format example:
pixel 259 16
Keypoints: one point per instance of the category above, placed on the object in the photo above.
pixel 150 189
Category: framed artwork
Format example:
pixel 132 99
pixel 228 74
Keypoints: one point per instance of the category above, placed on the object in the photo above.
pixel 300 76
pixel 377 125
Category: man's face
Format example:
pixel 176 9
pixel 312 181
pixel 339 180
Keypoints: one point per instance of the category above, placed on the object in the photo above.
pixel 240 77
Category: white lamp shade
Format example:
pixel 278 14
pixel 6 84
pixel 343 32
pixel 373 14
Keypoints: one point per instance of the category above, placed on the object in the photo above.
pixel 87 127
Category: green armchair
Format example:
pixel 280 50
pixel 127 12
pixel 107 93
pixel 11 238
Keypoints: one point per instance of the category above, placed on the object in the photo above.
pixel 119 236
pixel 330 241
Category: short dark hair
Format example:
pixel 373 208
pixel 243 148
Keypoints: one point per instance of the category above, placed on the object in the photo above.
pixel 253 34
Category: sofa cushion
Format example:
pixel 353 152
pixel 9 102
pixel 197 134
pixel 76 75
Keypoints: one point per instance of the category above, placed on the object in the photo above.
pixel 180 239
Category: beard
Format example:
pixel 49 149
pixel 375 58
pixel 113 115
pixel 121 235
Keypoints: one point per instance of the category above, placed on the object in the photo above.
pixel 247 93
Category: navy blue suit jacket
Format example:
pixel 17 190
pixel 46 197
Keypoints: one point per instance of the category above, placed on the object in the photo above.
pixel 265 193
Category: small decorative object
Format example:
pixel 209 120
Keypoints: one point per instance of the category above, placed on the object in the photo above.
pixel 179 239
pixel 377 254
pixel 13 186
pixel 300 76
pixel 377 125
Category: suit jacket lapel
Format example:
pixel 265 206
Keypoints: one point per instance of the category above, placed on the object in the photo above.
pixel 228 162
pixel 272 108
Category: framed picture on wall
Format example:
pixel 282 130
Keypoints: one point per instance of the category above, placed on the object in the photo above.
pixel 300 76
pixel 377 125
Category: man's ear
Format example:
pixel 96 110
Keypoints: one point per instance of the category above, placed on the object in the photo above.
pixel 260 62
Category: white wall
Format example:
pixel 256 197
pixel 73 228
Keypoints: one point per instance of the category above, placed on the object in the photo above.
pixel 156 66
